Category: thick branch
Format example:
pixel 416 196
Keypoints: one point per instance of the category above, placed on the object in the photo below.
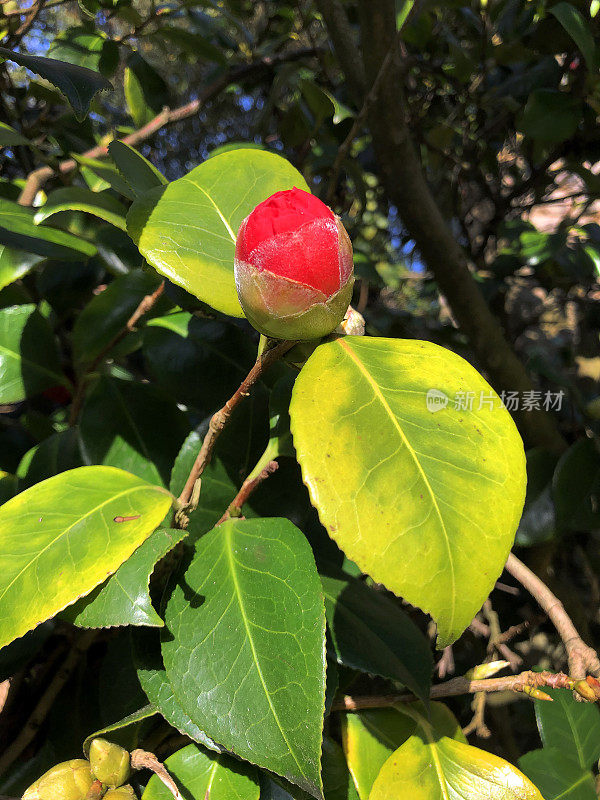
pixel 37 178
pixel 405 184
pixel 582 659
pixel 220 419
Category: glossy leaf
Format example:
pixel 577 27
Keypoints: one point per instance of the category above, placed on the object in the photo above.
pixel 188 230
pixel 432 766
pixel 563 108
pixel 538 523
pixel 18 230
pixel 137 171
pixel 77 84
pixel 200 362
pixel 145 90
pixel 370 737
pixel 249 646
pixel 29 360
pixel 59 540
pixel 337 782
pixel 394 482
pixel 370 633
pixel 107 313
pixel 75 198
pixel 102 174
pixel 86 48
pixel 14 264
pixel 124 598
pixel 569 726
pixel 133 426
pixel 133 719
pixel 200 774
pixel 575 25
pixel 558 777
pixel 155 683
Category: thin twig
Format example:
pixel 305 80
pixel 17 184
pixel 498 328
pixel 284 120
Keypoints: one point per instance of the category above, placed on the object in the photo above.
pixel 246 489
pixel 582 659
pixel 46 702
pixel 146 304
pixel 219 420
pixel 523 683
pixel 36 179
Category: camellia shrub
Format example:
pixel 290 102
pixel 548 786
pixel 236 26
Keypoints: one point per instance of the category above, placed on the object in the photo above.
pixel 249 506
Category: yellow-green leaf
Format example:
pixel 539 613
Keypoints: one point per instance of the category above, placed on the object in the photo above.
pixel 64 536
pixel 426 502
pixel 187 230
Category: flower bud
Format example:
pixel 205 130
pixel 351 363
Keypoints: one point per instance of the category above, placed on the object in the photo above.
pixel 70 780
pixel 122 793
pixel 486 670
pixel 293 267
pixel 109 762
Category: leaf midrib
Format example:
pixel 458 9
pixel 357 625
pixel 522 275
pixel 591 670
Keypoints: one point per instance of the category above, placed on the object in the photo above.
pixel 238 593
pixel 380 396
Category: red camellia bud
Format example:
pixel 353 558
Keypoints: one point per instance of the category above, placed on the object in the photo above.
pixel 293 267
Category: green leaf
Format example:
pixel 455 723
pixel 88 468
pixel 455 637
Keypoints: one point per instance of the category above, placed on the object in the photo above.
pixel 124 599
pixel 29 360
pixel 137 171
pixel 394 482
pixel 200 362
pixel 575 25
pixel 187 231
pixel 538 523
pixel 134 426
pixel 576 487
pixel 370 737
pixel 558 777
pixel 370 633
pixel 75 198
pixel 432 766
pixel 86 48
pixel 337 782
pixel 571 727
pixel 200 775
pixel 155 683
pixel 107 314
pixel 250 647
pixel 59 540
pixel 545 104
pixel 133 719
pixel 77 84
pixel 145 90
pixel 15 264
pixel 18 230
pixel 58 453
pixel 9 137
pixel 101 175
pixel 190 43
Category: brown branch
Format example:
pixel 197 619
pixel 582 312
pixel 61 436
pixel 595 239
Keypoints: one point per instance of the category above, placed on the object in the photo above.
pixel 145 305
pixel 246 489
pixel 527 682
pixel 582 659
pixel 36 179
pixel 219 420
pixel 46 702
pixel 141 759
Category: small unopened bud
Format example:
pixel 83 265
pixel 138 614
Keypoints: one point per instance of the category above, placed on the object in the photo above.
pixel 487 670
pixel 591 681
pixel 109 762
pixel 584 690
pixel 122 793
pixel 536 693
pixel 70 780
